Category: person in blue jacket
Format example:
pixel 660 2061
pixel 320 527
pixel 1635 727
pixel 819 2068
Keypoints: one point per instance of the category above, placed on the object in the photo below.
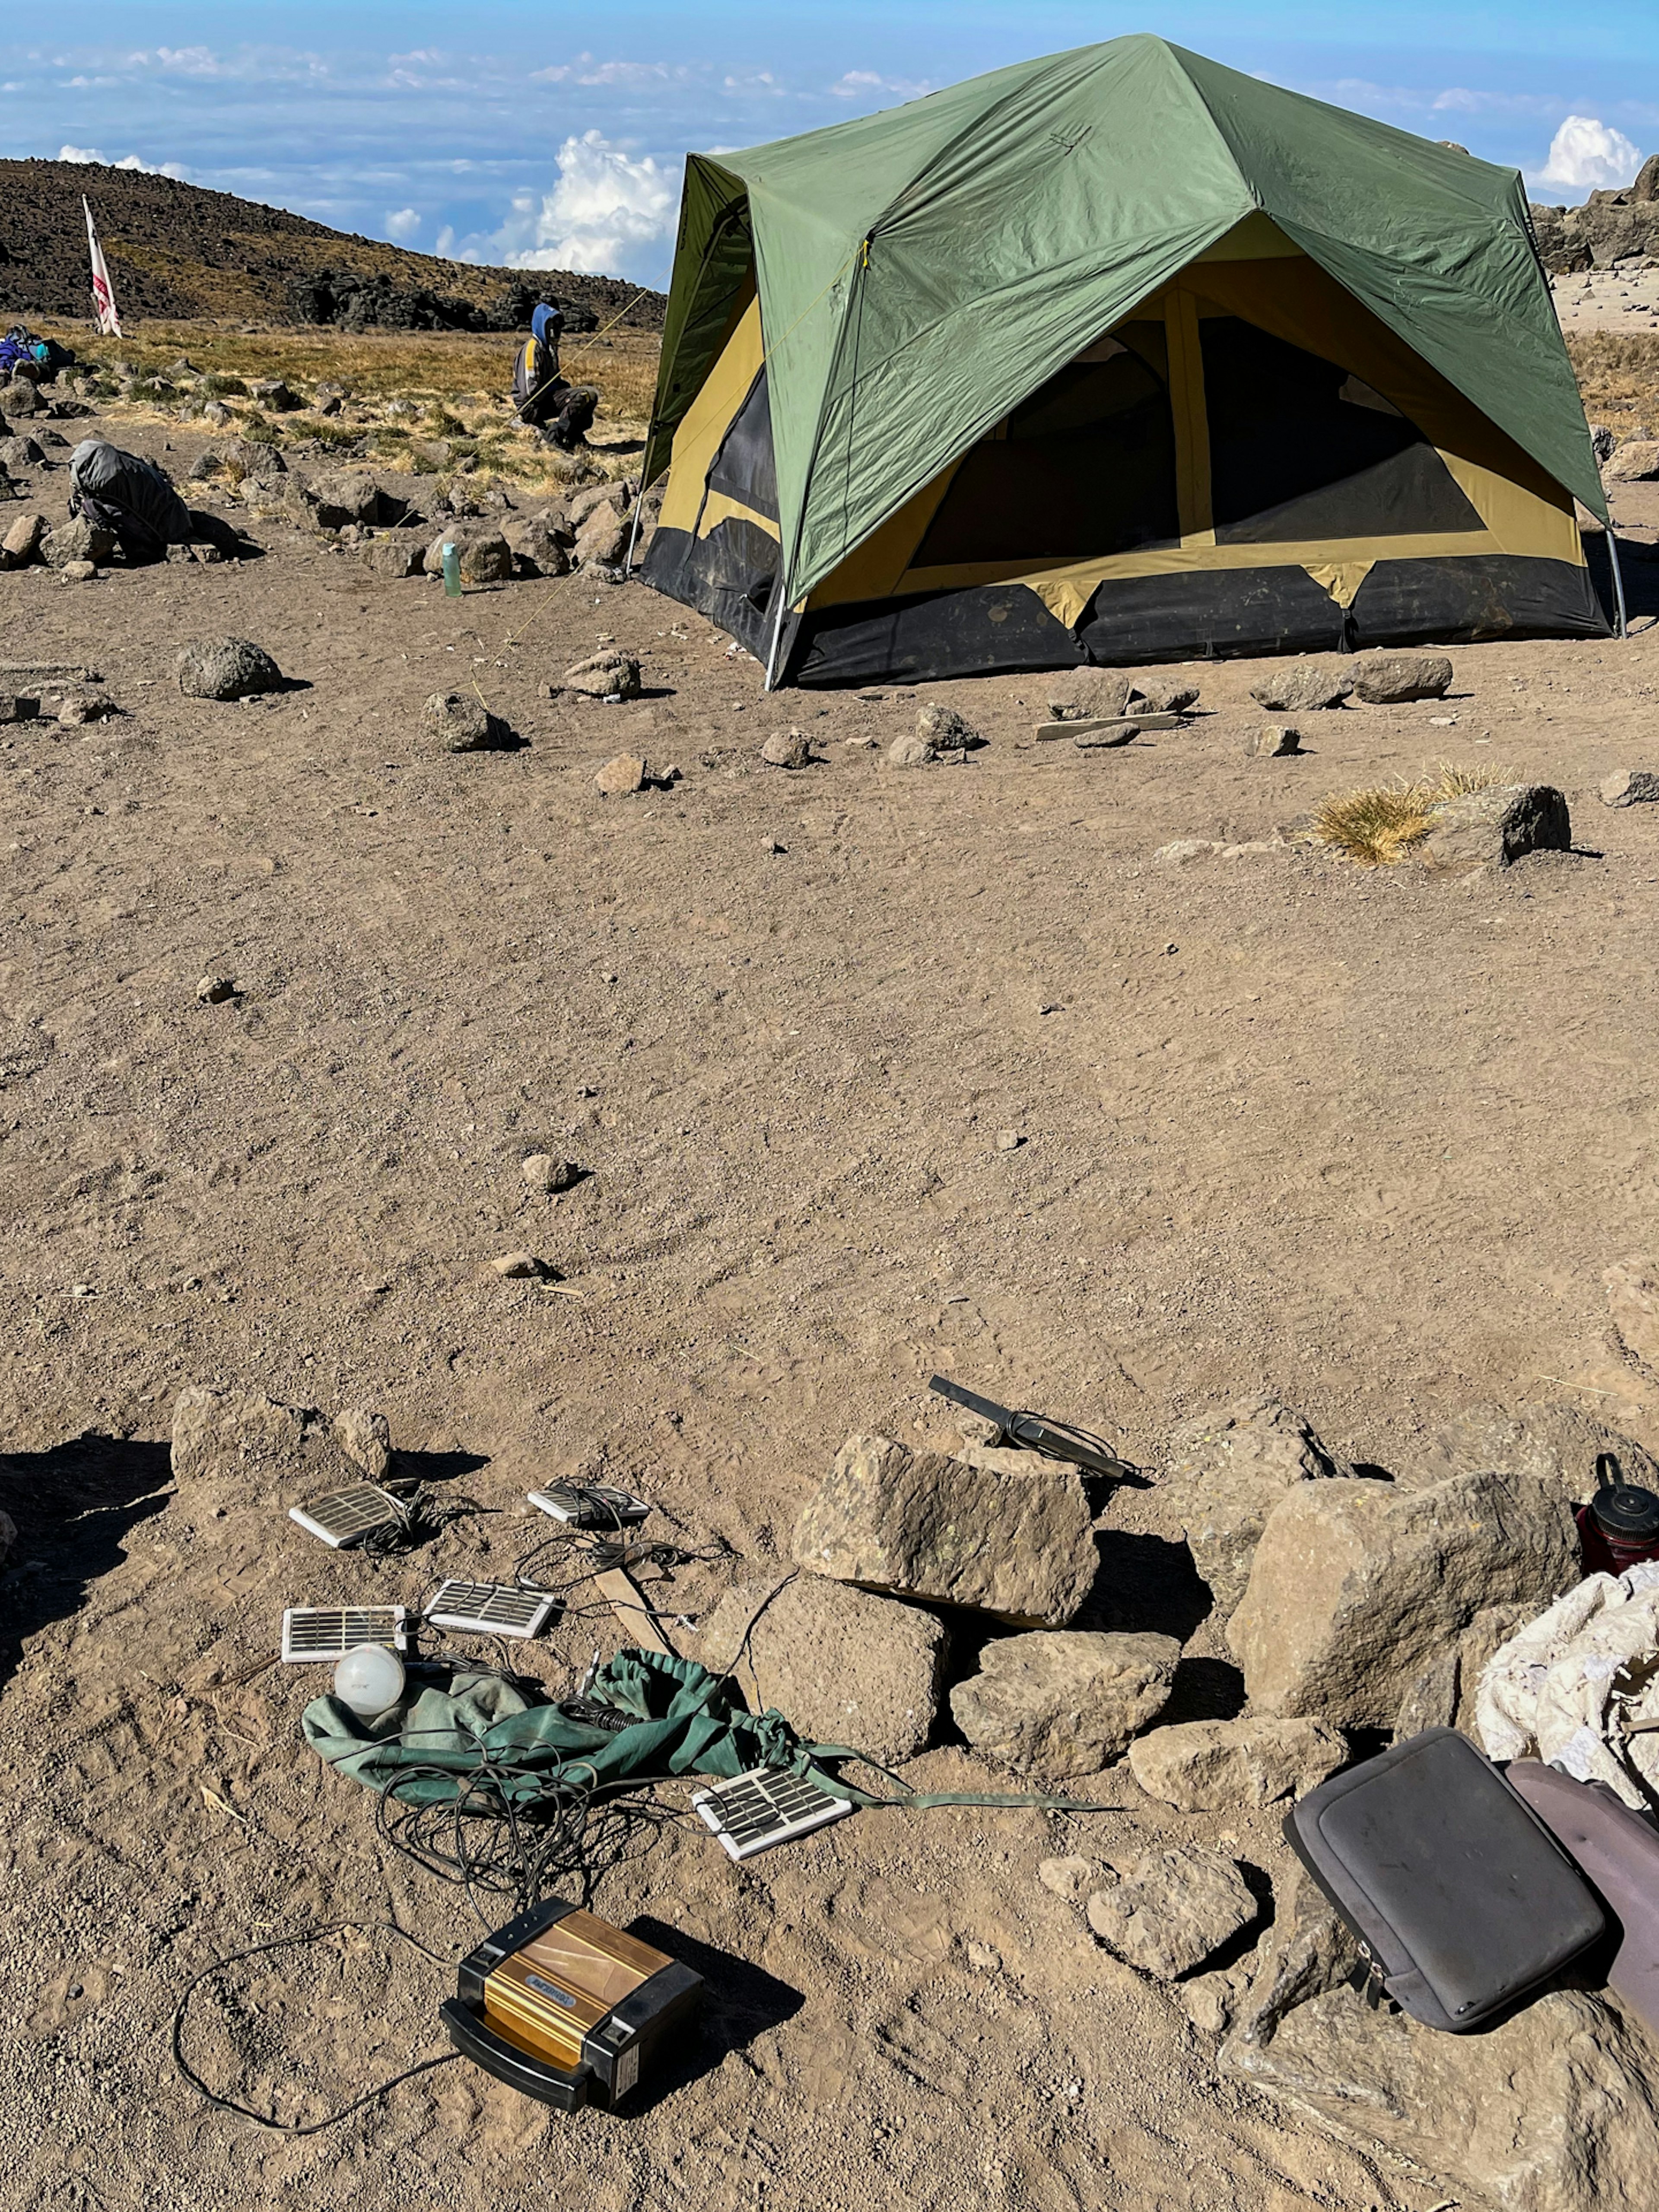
pixel 560 413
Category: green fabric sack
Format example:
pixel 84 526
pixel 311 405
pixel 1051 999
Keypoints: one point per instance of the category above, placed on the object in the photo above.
pixel 689 1721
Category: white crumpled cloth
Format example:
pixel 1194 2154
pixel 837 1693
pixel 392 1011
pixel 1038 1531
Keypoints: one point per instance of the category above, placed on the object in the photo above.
pixel 1562 1687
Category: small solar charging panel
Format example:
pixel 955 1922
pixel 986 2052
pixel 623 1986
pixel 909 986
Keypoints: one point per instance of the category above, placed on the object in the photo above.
pixel 493 1608
pixel 346 1517
pixel 329 1631
pixel 765 1807
pixel 589 1505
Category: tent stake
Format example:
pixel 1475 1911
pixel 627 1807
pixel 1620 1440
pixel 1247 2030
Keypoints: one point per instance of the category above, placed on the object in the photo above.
pixel 1618 582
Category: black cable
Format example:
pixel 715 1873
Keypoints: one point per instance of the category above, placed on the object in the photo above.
pixel 420 1516
pixel 304 1935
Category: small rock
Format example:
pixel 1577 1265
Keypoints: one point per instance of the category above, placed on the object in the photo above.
pixel 1164 695
pixel 518 1267
pixel 626 773
pixel 846 1667
pixel 1303 687
pixel 213 990
pixel 21 397
pixel 78 540
pixel 1015 1543
pixel 1173 1910
pixel 338 499
pixel 606 675
pixel 1356 1585
pixel 1009 1140
pixel 365 1438
pixel 539 545
pixel 1495 829
pixel 543 1171
pixel 602 540
pixel 983 1958
pixel 20 453
pixel 394 556
pixel 864 744
pixel 22 541
pixel 1214 1766
pixel 79 708
pixel 78 572
pixel 1391 679
pixel 217 414
pixel 273 395
pixel 1636 461
pixel 1068 1877
pixel 911 751
pixel 227 668
pixel 1210 2000
pixel 787 749
pixel 1632 786
pixel 460 722
pixel 1184 849
pixel 1277 741
pixel 1065 1703
pixel 582 506
pixel 1089 695
pixel 13 709
pixel 945 729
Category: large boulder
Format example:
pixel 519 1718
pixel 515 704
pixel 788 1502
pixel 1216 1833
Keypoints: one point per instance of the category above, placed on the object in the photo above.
pixel 483 553
pixel 1303 687
pixel 1307 1950
pixel 843 1666
pixel 338 498
pixel 1173 1910
pixel 395 556
pixel 242 1445
pixel 1214 1766
pixel 1391 679
pixel 20 453
pixel 1356 1585
pixel 1019 1545
pixel 539 545
pixel 1089 695
pixel 603 538
pixel 76 540
pixel 1636 461
pixel 1553 2112
pixel 1556 1445
pixel 460 722
pixel 1066 1703
pixel 22 542
pixel 227 668
pixel 1228 1469
pixel 1495 828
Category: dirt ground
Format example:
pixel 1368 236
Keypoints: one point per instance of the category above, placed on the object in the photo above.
pixel 1364 1139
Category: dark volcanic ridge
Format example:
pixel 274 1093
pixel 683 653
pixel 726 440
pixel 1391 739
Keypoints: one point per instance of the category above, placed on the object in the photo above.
pixel 179 250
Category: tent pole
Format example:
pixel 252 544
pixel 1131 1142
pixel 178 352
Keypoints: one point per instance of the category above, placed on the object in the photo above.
pixel 1618 582
pixel 777 632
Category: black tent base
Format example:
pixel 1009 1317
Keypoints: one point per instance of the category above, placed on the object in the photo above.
pixel 1208 615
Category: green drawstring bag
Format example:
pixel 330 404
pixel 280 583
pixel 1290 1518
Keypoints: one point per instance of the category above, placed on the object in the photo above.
pixel 481 1730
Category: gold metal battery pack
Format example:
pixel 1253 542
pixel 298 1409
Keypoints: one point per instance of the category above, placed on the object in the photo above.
pixel 567 2008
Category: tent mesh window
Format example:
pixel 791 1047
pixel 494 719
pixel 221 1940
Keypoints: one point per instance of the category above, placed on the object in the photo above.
pixel 745 468
pixel 1300 450
pixel 1086 464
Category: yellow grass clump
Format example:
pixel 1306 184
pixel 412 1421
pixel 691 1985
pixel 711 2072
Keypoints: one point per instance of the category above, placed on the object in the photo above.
pixel 1378 824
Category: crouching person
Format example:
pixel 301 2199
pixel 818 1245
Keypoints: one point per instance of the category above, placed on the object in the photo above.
pixel 560 414
pixel 131 498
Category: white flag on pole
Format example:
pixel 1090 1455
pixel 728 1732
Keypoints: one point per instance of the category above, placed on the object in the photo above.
pixel 103 291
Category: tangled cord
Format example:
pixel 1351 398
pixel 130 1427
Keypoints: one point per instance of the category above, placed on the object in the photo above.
pixel 420 1516
pixel 224 2103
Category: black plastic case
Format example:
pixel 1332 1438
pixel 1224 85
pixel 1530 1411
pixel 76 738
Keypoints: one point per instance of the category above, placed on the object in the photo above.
pixel 1462 1901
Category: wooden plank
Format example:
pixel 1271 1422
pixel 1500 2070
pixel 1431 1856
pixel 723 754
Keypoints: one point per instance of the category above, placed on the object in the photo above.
pixel 624 1600
pixel 1123 729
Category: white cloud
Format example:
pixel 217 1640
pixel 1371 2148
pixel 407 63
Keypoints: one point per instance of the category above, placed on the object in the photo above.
pixel 864 84
pixel 1588 156
pixel 127 162
pixel 402 223
pixel 607 211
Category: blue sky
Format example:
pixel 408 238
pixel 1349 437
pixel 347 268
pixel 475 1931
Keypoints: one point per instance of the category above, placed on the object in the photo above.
pixel 544 134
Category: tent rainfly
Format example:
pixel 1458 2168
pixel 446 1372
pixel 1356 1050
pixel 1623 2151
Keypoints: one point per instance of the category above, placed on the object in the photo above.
pixel 1114 356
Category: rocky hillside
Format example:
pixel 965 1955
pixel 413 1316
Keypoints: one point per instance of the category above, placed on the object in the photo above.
pixel 179 250
pixel 1611 226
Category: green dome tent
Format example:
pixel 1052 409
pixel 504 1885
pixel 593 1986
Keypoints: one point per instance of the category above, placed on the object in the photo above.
pixel 1114 356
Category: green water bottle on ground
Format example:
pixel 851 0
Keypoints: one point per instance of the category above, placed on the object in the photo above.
pixel 452 561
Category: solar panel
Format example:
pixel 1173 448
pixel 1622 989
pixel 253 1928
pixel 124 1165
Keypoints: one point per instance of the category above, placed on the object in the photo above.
pixel 589 1505
pixel 346 1517
pixel 492 1608
pixel 765 1807
pixel 329 1631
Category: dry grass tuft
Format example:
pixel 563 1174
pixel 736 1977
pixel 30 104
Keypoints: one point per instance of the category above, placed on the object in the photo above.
pixel 1618 373
pixel 1379 824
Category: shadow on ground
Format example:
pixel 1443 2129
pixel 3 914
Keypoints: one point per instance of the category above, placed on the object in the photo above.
pixel 74 1506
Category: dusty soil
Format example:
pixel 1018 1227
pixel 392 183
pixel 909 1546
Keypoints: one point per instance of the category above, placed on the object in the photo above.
pixel 1366 1140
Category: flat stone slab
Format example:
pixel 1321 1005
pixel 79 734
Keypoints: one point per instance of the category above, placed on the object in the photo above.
pixel 1103 731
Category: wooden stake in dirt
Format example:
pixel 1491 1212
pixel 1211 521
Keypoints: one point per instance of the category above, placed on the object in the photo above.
pixel 626 1601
